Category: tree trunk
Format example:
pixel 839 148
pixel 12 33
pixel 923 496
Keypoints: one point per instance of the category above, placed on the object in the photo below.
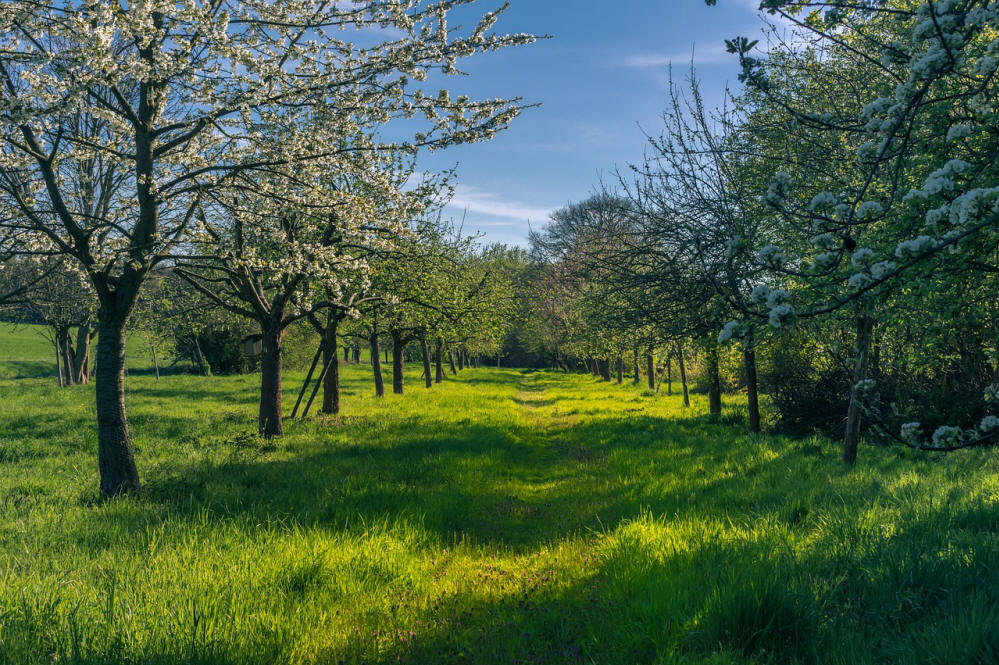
pixel 156 362
pixel 439 361
pixel 115 457
pixel 461 360
pixel 650 370
pixel 55 345
pixel 605 369
pixel 854 413
pixel 70 358
pixel 638 370
pixel 81 361
pixel 398 348
pixel 66 352
pixel 206 369
pixel 752 387
pixel 376 365
pixel 331 381
pixel 269 420
pixel 714 381
pixel 683 375
pixel 425 348
pixel 669 376
pixel 357 354
pixel 620 369
pixel 450 360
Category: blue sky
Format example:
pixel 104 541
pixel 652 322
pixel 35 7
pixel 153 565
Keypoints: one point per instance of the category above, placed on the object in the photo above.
pixel 601 82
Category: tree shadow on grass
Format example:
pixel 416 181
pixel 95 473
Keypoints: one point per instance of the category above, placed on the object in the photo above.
pixel 27 369
pixel 505 485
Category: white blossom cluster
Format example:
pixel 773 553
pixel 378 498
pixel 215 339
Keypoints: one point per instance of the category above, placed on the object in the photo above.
pixel 127 127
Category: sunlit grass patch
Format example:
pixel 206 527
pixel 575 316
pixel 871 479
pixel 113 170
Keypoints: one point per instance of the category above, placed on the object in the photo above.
pixel 499 517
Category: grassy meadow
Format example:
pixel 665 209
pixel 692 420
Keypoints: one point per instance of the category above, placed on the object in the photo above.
pixel 505 516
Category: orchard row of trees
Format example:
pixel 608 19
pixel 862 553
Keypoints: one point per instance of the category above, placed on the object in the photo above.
pixel 440 292
pixel 264 153
pixel 837 220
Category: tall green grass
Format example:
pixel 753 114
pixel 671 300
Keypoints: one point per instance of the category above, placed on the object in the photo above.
pixel 502 517
pixel 26 351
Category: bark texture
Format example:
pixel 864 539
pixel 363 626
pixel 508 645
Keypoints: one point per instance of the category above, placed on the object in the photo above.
pixel 398 348
pixel 115 455
pixel 331 381
pixel 269 416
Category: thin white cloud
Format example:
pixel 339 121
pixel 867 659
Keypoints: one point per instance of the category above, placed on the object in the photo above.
pixel 702 56
pixel 482 202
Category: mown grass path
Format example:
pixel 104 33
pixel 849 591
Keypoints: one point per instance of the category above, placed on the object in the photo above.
pixel 501 517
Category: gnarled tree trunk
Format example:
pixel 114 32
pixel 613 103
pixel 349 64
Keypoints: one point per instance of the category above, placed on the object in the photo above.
pixel 81 360
pixel 115 456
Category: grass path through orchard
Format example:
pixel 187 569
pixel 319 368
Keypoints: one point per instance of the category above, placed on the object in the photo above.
pixel 500 517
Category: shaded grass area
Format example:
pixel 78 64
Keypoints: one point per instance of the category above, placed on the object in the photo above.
pixel 502 517
pixel 26 352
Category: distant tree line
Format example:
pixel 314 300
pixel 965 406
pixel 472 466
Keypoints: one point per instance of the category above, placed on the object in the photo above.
pixel 837 221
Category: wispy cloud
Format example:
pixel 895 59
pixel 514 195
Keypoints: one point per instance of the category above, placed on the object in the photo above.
pixel 482 202
pixel 710 55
